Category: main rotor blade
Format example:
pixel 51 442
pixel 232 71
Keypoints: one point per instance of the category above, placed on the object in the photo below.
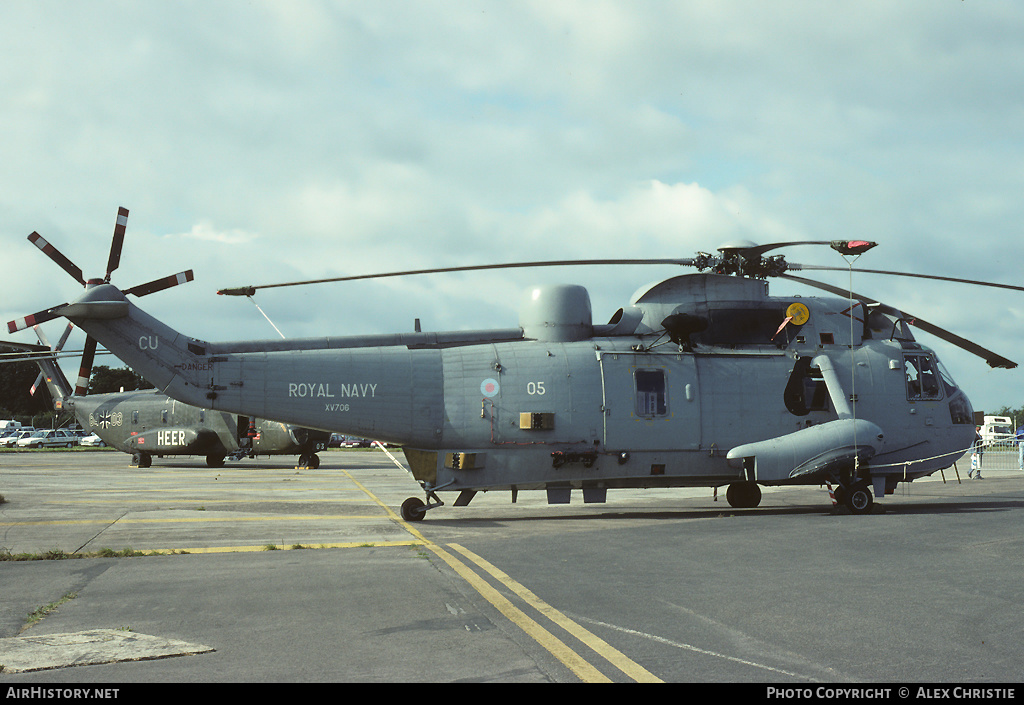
pixel 34 319
pixel 161 284
pixel 844 247
pixel 250 290
pixel 858 270
pixel 993 359
pixel 56 255
pixel 114 260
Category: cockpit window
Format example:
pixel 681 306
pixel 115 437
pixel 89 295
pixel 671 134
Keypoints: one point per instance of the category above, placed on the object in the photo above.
pixel 922 377
pixel 947 379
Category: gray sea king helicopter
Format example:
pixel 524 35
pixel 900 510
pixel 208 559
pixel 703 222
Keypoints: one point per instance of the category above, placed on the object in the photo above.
pixel 701 380
pixel 147 423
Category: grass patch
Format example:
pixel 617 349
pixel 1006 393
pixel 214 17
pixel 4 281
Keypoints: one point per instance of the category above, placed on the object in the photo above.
pixel 56 554
pixel 40 612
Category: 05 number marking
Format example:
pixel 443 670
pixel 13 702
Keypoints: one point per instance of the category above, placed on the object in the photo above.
pixel 535 388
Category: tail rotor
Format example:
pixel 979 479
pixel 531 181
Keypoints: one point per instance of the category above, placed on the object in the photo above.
pixel 113 262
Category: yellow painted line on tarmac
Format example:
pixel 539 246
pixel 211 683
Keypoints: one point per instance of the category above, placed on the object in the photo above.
pixel 187 520
pixel 613 655
pixel 205 501
pixel 230 487
pixel 583 669
pixel 283 547
pixel 573 661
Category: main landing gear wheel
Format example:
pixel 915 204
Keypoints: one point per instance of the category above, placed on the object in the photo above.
pixel 413 509
pixel 858 498
pixel 310 461
pixel 743 495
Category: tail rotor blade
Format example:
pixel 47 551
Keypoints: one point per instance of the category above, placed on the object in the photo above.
pixel 84 372
pixel 56 255
pixel 34 319
pixel 161 284
pixel 114 260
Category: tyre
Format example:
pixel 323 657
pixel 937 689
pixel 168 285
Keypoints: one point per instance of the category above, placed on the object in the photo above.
pixel 859 499
pixel 413 509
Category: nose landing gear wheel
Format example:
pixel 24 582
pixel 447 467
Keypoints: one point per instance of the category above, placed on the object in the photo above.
pixel 413 509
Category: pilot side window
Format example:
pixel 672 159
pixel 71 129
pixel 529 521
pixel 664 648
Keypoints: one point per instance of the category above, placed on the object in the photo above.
pixel 651 394
pixel 922 377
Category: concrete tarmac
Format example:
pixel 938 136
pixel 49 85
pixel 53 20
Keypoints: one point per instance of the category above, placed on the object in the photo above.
pixel 259 572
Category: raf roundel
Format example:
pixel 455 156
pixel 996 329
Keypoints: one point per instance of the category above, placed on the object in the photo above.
pixel 489 387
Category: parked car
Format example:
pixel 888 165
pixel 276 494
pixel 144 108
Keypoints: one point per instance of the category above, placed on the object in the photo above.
pixel 12 440
pixel 49 439
pixel 91 440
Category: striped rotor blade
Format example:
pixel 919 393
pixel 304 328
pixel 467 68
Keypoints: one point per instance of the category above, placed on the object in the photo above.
pixel 82 385
pixel 65 336
pixel 114 260
pixel 43 340
pixel 34 319
pixel 56 255
pixel 35 385
pixel 161 284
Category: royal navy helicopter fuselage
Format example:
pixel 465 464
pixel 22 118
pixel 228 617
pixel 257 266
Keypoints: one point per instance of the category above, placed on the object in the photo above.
pixel 701 380
pixel 748 389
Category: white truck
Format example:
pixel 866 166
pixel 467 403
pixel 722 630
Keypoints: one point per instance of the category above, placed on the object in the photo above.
pixel 997 428
pixel 6 425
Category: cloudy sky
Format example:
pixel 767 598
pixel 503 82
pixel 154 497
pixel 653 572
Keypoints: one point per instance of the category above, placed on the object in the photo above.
pixel 260 142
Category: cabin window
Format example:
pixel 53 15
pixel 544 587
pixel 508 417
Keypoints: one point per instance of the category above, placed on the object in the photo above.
pixel 922 377
pixel 651 393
